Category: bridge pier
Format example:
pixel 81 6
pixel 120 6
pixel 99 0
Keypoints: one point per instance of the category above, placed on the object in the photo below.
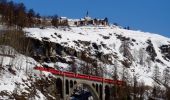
pixel 64 88
pixel 100 91
pixel 67 89
pixel 103 90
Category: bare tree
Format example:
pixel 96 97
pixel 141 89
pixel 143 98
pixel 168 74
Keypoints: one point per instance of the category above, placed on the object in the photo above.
pixel 141 90
pixel 166 81
pixel 115 73
pixel 135 55
pixel 102 69
pixel 142 56
pixel 135 84
pixel 124 93
pixel 156 73
pixel 125 49
pixel 166 76
pixel 156 78
pixel 73 67
pixel 115 77
pixel 126 77
pixel 148 62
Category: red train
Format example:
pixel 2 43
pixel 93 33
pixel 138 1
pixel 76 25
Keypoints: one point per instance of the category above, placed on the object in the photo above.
pixel 81 76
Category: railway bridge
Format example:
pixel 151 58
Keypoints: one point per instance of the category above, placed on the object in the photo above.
pixel 66 82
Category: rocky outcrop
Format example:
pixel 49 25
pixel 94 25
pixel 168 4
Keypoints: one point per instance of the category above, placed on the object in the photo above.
pixel 52 52
pixel 151 51
pixel 165 50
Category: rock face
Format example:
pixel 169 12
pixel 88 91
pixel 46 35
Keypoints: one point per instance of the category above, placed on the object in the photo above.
pixel 151 51
pixel 165 49
pixel 101 47
pixel 45 51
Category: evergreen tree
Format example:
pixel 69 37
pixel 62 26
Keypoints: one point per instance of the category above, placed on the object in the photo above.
pixel 106 20
pixel 10 13
pixel 31 15
pixel 55 21
pixel 21 17
pixel 16 14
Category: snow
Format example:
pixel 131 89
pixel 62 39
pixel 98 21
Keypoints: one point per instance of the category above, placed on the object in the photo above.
pixel 7 79
pixel 61 66
pixel 95 35
pixel 16 83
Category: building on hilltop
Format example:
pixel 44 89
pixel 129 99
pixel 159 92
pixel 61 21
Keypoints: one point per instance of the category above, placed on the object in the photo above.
pixel 87 20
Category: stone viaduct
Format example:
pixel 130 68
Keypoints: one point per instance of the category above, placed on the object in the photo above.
pixel 67 82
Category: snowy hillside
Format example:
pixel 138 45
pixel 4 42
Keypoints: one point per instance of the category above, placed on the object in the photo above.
pixel 144 48
pixel 88 50
pixel 18 79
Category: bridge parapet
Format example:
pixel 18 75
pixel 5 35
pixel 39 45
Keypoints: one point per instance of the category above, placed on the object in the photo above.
pixel 80 76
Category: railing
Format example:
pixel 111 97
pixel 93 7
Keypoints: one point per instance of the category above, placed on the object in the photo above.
pixel 80 76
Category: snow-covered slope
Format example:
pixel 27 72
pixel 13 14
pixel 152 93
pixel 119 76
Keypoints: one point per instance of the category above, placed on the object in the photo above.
pixel 17 76
pixel 109 40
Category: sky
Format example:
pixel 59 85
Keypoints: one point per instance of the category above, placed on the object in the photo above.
pixel 145 15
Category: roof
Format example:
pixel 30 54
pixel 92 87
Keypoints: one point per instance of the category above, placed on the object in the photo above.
pixel 63 17
pixel 87 18
pixel 73 19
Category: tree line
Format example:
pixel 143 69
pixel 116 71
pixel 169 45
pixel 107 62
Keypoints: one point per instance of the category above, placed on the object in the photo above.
pixel 16 14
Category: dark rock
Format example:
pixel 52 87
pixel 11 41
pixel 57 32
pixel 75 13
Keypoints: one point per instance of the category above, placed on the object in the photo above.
pixel 165 50
pixel 133 40
pixel 95 46
pixel 85 43
pixel 45 39
pixel 151 51
pixel 106 37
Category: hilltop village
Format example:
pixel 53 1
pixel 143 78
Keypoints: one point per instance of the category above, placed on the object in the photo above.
pixel 87 20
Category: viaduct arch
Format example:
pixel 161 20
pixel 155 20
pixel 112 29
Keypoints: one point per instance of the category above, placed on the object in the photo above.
pixel 66 86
